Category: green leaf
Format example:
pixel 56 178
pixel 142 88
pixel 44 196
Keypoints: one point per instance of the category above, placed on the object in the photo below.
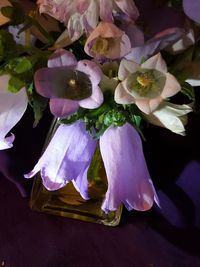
pixel 23 65
pixel 188 90
pixel 39 104
pixel 15 84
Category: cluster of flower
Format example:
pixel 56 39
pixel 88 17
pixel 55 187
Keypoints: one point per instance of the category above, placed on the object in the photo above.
pixel 106 68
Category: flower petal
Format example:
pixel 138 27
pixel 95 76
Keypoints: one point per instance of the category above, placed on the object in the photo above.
pixel 148 105
pixel 63 107
pixel 61 58
pixel 121 95
pixel 126 67
pixel 91 69
pixel 67 156
pixel 192 9
pixel 128 7
pixel 12 108
pixel 128 177
pixel 170 116
pixel 171 87
pixel 94 101
pixel 155 62
pixel 106 10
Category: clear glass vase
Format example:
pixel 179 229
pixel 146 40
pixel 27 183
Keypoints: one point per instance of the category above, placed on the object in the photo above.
pixel 67 202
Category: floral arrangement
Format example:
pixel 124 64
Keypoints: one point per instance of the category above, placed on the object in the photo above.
pixel 106 69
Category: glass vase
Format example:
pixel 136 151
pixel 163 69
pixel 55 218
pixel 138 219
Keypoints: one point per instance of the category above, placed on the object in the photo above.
pixel 67 202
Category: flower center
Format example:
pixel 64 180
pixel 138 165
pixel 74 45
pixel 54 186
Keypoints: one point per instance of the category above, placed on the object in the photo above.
pixel 102 46
pixel 145 83
pixel 144 80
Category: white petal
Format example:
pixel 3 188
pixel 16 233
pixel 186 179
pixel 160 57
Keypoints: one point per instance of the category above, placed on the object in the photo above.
pixel 156 62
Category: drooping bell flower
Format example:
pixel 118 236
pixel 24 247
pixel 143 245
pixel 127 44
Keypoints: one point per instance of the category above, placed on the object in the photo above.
pixel 12 108
pixel 129 181
pixel 107 41
pixel 170 116
pixel 66 158
pixel 145 85
pixel 69 83
pixel 192 9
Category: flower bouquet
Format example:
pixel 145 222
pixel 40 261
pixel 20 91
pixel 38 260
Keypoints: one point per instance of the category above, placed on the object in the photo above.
pixel 106 70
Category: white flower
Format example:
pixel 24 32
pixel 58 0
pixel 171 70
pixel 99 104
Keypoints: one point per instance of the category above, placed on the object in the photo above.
pixel 12 108
pixel 170 116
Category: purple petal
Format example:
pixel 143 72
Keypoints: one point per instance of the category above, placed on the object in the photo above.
pixel 156 44
pixel 81 184
pixel 106 10
pixel 61 58
pixel 91 69
pixel 128 7
pixel 128 177
pixel 94 101
pixel 63 107
pixel 192 9
pixel 12 108
pixel 67 156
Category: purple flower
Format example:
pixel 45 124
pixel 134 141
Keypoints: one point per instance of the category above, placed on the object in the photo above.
pixel 12 108
pixel 68 156
pixel 192 9
pixel 129 181
pixel 69 84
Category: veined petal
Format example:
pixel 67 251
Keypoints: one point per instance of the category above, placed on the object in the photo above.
pixel 126 67
pixel 170 116
pixel 12 108
pixel 171 87
pixel 155 62
pixel 67 156
pixel 106 10
pixel 121 95
pixel 128 177
pixel 63 107
pixel 148 105
pixel 61 58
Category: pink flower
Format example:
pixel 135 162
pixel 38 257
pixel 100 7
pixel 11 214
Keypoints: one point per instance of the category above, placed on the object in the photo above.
pixel 107 41
pixel 82 16
pixel 145 85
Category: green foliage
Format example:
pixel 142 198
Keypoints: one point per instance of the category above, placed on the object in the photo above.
pixel 188 90
pixel 109 114
pixel 15 84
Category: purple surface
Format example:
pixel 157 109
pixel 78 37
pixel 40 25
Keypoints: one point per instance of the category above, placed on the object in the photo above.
pixel 169 237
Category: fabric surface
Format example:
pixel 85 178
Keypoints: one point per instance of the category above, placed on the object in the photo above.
pixel 158 238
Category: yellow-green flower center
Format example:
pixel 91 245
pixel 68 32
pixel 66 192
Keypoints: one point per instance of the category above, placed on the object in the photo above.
pixel 145 83
pixel 102 46
pixel 144 80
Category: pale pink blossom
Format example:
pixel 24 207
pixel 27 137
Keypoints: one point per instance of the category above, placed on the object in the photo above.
pixel 107 41
pixel 145 85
